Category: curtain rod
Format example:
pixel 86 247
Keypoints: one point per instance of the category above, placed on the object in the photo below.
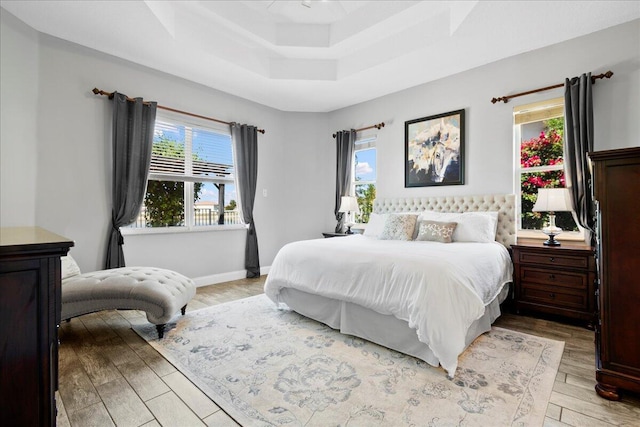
pixel 378 126
pixel 162 107
pixel 506 99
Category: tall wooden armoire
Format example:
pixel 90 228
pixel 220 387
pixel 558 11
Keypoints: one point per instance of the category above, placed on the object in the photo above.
pixel 616 185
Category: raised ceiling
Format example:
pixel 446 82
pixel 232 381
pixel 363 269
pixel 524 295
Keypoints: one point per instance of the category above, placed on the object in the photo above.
pixel 315 55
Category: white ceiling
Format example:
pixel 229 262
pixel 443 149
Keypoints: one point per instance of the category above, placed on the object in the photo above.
pixel 316 55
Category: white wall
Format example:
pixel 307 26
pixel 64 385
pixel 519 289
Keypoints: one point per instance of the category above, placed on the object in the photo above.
pixel 306 169
pixel 70 127
pixel 18 121
pixel 74 184
pixel 489 127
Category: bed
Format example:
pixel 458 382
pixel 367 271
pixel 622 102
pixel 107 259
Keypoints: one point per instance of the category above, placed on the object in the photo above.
pixel 429 300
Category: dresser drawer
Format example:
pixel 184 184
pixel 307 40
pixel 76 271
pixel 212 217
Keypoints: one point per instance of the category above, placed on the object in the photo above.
pixel 550 296
pixel 568 279
pixel 562 261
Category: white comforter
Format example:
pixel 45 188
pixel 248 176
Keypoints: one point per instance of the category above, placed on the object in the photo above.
pixel 439 289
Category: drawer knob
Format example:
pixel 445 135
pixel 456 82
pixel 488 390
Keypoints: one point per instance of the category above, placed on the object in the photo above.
pixel 551 259
pixel 552 295
pixel 552 277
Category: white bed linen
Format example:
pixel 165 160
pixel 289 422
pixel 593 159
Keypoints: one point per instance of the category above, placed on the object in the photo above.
pixel 438 289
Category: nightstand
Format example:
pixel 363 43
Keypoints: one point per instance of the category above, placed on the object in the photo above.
pixel 327 235
pixel 559 280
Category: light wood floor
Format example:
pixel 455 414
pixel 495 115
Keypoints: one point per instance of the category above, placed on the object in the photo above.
pixel 110 376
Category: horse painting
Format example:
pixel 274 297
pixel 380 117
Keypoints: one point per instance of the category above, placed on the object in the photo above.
pixel 434 150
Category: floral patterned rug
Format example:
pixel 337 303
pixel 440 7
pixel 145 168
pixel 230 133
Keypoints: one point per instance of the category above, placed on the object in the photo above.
pixel 270 367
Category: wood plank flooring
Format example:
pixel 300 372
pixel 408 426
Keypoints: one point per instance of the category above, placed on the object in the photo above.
pixel 110 376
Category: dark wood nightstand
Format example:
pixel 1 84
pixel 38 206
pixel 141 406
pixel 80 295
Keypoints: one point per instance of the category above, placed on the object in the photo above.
pixel 557 280
pixel 327 235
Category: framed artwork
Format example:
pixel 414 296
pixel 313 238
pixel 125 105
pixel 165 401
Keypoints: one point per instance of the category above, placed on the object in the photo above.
pixel 434 150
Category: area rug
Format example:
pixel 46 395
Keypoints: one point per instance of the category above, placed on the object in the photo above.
pixel 270 367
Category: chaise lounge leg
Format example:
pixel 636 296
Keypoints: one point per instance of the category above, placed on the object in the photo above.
pixel 184 309
pixel 160 329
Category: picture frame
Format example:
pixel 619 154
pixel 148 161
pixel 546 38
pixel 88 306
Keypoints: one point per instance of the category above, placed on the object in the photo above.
pixel 434 150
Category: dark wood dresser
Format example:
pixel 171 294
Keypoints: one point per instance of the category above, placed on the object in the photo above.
pixel 29 318
pixel 616 177
pixel 556 280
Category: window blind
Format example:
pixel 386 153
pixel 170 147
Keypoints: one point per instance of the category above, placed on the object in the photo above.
pixel 538 111
pixel 187 153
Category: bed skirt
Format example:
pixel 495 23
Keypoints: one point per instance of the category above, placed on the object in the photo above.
pixel 385 330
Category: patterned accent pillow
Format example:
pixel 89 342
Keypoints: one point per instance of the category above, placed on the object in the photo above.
pixel 398 227
pixel 435 231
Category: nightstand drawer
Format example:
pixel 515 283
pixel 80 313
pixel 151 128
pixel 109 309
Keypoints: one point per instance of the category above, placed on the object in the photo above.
pixel 566 279
pixel 563 261
pixel 551 296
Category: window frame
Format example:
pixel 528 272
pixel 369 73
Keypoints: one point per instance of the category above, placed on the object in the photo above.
pixel 534 109
pixel 362 143
pixel 189 180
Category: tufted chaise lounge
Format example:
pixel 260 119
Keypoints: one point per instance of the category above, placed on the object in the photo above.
pixel 158 292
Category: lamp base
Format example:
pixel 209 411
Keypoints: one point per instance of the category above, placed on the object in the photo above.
pixel 551 241
pixel 348 230
pixel 552 231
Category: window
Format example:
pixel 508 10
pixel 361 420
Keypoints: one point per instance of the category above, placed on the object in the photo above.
pixel 539 132
pixel 364 173
pixel 191 177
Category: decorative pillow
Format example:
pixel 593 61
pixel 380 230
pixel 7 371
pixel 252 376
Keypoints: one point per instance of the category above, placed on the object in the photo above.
pixel 436 231
pixel 398 227
pixel 472 226
pixel 375 225
pixel 415 229
pixel 69 267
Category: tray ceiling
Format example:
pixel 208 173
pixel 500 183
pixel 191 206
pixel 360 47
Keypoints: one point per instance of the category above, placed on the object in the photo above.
pixel 315 55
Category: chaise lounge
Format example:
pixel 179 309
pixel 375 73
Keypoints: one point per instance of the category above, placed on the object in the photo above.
pixel 158 292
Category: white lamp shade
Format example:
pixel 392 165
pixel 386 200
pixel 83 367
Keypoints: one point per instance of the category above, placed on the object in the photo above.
pixel 349 204
pixel 552 200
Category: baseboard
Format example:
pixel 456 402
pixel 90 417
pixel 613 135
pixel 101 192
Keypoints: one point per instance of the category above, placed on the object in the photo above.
pixel 226 277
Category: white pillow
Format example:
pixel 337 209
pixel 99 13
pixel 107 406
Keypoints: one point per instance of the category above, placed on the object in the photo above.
pixel 69 267
pixel 375 225
pixel 494 218
pixel 399 227
pixel 476 227
pixel 438 216
pixel 428 215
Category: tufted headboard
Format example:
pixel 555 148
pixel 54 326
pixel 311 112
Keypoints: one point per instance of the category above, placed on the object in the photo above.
pixel 503 203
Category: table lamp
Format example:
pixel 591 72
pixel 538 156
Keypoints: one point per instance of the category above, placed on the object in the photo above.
pixel 348 205
pixel 552 200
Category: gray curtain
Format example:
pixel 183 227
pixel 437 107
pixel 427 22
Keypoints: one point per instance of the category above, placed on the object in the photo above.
pixel 133 125
pixel 221 203
pixel 245 139
pixel 578 141
pixel 344 159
